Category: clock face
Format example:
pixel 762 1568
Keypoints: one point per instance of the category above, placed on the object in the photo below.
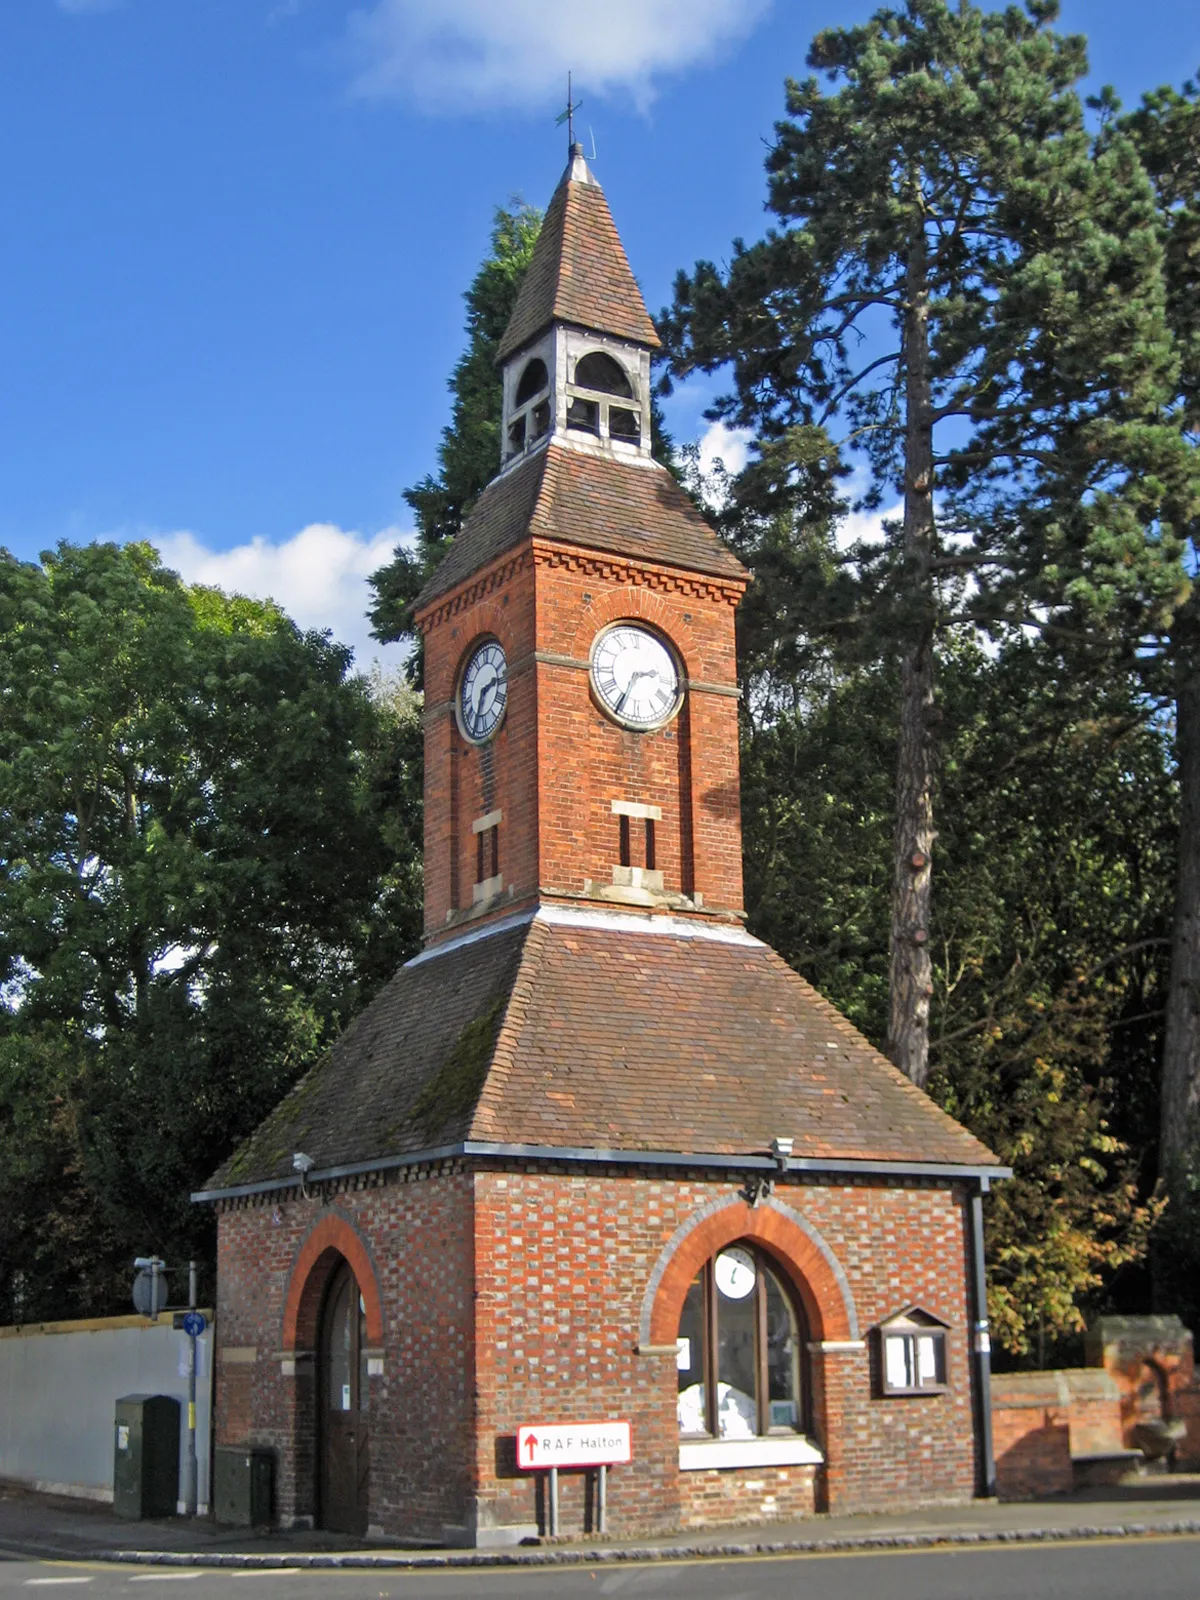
pixel 483 694
pixel 735 1273
pixel 635 676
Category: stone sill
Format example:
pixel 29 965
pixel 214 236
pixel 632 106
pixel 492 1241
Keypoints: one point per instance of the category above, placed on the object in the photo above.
pixel 792 1450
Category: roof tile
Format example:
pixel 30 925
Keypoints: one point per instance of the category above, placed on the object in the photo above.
pixel 579 272
pixel 598 1037
pixel 630 509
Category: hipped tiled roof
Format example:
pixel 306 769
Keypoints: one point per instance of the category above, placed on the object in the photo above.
pixel 579 272
pixel 629 509
pixel 586 1032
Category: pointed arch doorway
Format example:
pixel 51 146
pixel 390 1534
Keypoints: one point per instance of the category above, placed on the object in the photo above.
pixel 343 1418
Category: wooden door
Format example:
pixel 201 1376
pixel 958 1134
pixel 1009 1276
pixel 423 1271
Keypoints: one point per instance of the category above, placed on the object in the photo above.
pixel 344 1454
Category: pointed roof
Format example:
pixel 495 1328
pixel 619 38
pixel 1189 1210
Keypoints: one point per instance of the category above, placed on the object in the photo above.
pixel 633 509
pixel 579 272
pixel 551 1030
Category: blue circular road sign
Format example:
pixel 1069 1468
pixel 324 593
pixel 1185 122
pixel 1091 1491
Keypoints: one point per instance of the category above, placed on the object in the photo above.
pixel 194 1324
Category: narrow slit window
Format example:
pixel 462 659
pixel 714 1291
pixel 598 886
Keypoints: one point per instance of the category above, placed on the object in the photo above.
pixel 650 861
pixel 626 859
pixel 479 872
pixel 495 833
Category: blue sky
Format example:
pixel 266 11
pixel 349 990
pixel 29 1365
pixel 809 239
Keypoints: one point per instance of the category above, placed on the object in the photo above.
pixel 237 233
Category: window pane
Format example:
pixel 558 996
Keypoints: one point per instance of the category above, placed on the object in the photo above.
pixel 737 1409
pixel 783 1359
pixel 339 1350
pixel 898 1363
pixel 364 1386
pixel 690 1361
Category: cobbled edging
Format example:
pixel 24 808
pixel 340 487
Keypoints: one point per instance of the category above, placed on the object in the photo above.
pixel 425 1561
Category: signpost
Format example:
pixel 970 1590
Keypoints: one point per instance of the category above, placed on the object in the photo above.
pixel 551 1445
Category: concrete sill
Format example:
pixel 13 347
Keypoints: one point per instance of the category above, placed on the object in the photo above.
pixel 790 1450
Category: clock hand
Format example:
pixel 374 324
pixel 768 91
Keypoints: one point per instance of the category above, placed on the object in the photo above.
pixel 629 686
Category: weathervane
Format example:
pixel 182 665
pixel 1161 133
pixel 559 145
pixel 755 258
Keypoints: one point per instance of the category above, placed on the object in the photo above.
pixel 568 116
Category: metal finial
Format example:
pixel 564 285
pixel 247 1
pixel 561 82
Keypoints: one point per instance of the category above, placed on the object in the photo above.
pixel 568 116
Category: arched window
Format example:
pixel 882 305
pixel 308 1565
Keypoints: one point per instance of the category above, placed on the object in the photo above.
pixel 534 379
pixel 601 373
pixel 740 1350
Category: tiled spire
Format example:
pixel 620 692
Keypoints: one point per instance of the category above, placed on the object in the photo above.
pixel 579 273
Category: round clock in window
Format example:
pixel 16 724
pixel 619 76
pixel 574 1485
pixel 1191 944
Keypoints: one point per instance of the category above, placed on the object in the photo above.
pixel 483 692
pixel 635 676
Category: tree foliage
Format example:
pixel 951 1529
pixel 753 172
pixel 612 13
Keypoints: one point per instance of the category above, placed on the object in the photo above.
pixel 196 881
pixel 1049 936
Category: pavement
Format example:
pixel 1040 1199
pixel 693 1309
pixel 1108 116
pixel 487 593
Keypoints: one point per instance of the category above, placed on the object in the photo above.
pixel 57 1528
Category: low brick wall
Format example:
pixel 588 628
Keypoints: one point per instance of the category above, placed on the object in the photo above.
pixel 746 1496
pixel 1047 1423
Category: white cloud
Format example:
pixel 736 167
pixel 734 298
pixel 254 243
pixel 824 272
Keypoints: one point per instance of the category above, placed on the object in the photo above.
pixel 730 445
pixel 464 55
pixel 319 577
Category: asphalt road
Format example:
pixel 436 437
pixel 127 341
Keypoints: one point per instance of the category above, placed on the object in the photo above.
pixel 1141 1569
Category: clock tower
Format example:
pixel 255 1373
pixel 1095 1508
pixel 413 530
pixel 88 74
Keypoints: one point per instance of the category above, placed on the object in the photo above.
pixel 581 685
pixel 595 1155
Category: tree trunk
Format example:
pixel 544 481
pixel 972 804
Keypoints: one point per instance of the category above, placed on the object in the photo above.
pixel 910 977
pixel 1181 1050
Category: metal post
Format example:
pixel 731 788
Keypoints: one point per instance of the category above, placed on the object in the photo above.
pixel 602 1499
pixel 982 1344
pixel 190 1473
pixel 553 1512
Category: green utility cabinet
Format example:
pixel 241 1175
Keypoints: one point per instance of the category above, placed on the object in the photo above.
pixel 146 1456
pixel 242 1486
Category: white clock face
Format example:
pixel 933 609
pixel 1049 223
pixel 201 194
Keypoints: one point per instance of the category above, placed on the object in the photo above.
pixel 635 676
pixel 483 694
pixel 735 1273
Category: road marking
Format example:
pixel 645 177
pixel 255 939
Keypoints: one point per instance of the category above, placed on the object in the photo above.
pixel 164 1577
pixel 33 1583
pixel 274 1572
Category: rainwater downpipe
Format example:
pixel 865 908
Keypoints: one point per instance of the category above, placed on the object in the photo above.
pixel 981 1343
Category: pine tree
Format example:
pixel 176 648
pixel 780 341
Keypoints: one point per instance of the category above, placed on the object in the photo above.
pixel 965 302
pixel 1166 131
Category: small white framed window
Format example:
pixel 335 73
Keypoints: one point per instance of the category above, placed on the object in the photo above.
pixel 912 1353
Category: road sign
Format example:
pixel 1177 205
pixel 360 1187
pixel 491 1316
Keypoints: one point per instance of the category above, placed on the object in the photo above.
pixel 573 1444
pixel 193 1324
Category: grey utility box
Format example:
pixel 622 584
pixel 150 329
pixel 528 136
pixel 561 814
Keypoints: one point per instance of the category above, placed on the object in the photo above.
pixel 242 1486
pixel 146 1456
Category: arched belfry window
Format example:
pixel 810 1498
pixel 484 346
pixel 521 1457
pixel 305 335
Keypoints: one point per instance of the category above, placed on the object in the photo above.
pixel 598 382
pixel 530 420
pixel 740 1350
pixel 534 379
pixel 601 372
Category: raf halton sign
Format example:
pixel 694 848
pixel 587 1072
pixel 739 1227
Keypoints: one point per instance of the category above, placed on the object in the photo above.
pixel 573 1444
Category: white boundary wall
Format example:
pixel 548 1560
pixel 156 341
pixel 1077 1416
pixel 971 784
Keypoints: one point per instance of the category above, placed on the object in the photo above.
pixel 59 1384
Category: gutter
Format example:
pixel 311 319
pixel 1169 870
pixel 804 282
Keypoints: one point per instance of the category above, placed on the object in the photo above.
pixel 587 1156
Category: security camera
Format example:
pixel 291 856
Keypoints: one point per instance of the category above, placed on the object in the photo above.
pixel 302 1163
pixel 781 1149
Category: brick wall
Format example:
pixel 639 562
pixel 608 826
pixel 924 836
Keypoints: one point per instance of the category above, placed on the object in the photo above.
pixel 557 762
pixel 416 1235
pixel 522 1296
pixel 564 1261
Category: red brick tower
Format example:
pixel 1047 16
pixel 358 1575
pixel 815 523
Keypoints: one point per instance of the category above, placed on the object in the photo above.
pixel 581 686
pixel 596 1153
